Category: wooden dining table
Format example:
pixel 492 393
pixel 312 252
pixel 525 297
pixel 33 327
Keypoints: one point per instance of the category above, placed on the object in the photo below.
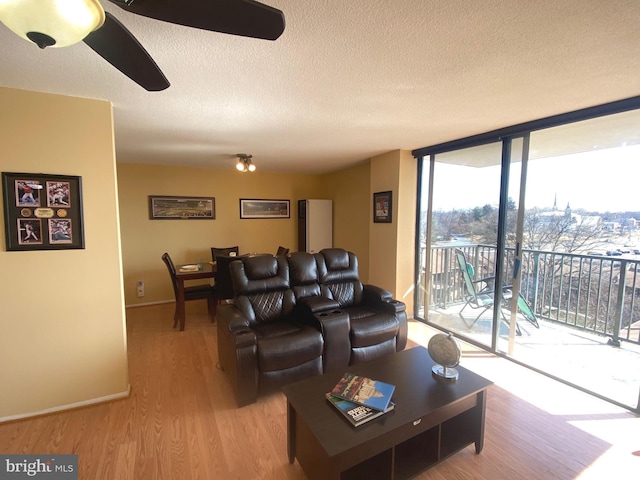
pixel 208 270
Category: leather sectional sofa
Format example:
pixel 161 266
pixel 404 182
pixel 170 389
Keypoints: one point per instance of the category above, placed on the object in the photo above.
pixel 302 315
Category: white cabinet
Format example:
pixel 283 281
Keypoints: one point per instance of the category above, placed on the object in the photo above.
pixel 315 225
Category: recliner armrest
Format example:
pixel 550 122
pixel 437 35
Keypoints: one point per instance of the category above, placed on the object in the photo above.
pixel 377 293
pixel 334 325
pixel 383 299
pixel 245 338
pixel 237 347
pixel 318 303
pixel 232 322
pixel 397 305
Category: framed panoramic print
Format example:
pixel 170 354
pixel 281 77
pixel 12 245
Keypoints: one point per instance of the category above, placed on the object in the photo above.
pixel 162 207
pixel 42 211
pixel 382 207
pixel 261 208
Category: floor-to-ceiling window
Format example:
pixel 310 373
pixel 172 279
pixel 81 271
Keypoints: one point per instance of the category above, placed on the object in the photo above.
pixel 465 197
pixel 529 245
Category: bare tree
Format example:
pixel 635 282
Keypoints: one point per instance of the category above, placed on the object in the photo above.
pixel 559 232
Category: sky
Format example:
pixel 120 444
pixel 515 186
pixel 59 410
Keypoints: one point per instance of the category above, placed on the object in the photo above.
pixel 600 181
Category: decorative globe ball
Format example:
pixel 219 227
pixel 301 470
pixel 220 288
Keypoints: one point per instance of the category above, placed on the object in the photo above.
pixel 445 350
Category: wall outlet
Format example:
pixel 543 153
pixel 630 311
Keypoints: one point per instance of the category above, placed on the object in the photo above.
pixel 140 286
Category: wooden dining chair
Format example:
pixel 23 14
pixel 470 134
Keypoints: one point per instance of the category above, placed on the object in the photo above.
pixel 223 277
pixel 196 292
pixel 223 251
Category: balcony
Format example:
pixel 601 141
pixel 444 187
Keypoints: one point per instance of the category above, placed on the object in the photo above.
pixel 588 308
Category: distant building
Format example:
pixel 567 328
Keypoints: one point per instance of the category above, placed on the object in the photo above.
pixel 611 226
pixel 554 215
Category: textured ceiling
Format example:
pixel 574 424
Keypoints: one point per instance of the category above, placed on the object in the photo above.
pixel 348 80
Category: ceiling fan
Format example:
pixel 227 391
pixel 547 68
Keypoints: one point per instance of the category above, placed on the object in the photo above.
pixel 60 23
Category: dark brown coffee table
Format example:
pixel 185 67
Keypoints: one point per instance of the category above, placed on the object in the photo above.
pixel 432 420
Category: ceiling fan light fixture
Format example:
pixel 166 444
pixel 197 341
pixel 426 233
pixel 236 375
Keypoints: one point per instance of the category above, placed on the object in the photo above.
pixel 57 23
pixel 244 163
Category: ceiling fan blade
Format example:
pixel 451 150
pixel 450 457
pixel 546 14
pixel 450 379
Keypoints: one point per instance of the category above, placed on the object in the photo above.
pixel 247 18
pixel 120 48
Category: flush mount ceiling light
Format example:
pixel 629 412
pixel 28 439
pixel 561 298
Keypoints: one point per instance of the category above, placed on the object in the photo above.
pixel 244 163
pixel 54 23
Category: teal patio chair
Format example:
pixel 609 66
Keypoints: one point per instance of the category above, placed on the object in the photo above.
pixel 480 295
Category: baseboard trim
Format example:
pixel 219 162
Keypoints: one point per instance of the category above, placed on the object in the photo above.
pixel 148 304
pixel 70 406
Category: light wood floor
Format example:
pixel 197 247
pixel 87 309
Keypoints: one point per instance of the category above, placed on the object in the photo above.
pixel 180 421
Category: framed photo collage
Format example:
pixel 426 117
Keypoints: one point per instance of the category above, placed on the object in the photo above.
pixel 42 212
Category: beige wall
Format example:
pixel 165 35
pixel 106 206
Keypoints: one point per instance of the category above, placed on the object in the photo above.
pixel 382 236
pixel 349 190
pixel 406 234
pixel 144 240
pixel 64 335
pixel 63 340
pixel 385 251
pixel 392 245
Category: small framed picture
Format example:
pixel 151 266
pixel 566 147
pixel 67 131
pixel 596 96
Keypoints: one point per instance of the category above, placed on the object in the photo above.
pixel 27 192
pixel 60 230
pixel 58 194
pixel 29 231
pixel 382 207
pixel 261 208
pixel 162 207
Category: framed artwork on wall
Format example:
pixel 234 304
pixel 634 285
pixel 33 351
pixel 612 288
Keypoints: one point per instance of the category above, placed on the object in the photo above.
pixel 261 208
pixel 42 211
pixel 163 207
pixel 382 207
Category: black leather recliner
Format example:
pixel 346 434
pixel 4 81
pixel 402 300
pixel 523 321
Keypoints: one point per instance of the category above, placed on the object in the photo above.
pixel 262 345
pixel 311 305
pixel 377 322
pixel 302 315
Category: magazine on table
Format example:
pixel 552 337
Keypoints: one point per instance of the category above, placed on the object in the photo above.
pixel 364 391
pixel 355 413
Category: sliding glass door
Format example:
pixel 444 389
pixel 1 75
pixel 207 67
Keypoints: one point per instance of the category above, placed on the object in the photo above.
pixel 529 245
pixel 458 249
pixel 581 256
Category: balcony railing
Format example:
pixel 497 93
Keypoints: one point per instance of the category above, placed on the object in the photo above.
pixel 592 293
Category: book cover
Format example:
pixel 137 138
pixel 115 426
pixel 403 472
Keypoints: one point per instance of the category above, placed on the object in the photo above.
pixel 355 413
pixel 364 391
